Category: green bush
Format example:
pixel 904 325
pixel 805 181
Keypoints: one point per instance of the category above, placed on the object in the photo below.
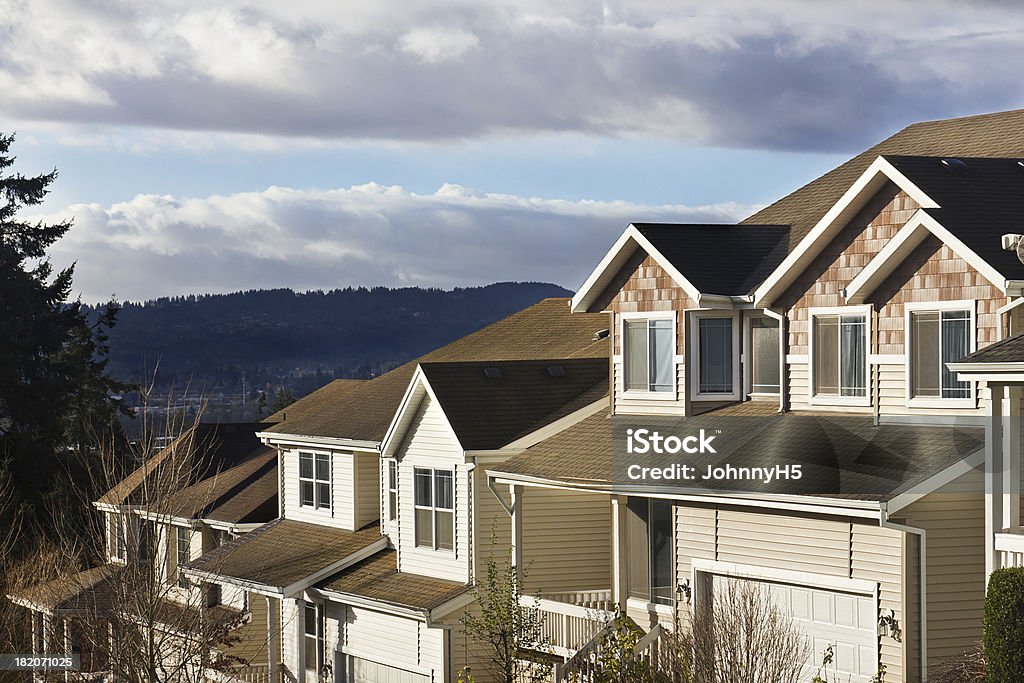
pixel 1004 626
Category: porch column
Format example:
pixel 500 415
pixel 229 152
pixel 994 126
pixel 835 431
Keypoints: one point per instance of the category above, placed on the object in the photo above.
pixel 46 636
pixel 36 649
pixel 994 492
pixel 517 531
pixel 1011 457
pixel 619 550
pixel 273 638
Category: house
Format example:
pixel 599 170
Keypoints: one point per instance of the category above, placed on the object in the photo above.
pixel 211 483
pixel 385 512
pixel 831 324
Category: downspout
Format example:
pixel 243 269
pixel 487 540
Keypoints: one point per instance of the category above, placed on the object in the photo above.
pixel 922 582
pixel 470 473
pixel 876 389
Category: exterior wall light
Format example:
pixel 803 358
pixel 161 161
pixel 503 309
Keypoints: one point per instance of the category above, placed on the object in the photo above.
pixel 888 625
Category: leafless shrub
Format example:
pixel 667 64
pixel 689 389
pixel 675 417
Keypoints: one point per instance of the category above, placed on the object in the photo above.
pixel 966 667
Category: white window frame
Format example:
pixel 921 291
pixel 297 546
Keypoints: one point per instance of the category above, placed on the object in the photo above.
pixel 181 533
pixel 747 356
pixel 434 509
pixel 814 399
pixel 118 544
pixel 316 507
pixel 321 651
pixel 673 393
pixel 970 305
pixel 391 486
pixel 693 369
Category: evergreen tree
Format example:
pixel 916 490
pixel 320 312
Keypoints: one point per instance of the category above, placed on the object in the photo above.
pixel 56 397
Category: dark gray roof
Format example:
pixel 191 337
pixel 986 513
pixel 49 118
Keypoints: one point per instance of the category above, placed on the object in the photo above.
pixel 1009 350
pixel 843 456
pixel 243 494
pixel 284 552
pixel 490 411
pixel 979 201
pixel 718 258
pixel 377 578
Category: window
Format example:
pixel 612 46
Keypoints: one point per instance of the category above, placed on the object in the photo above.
pixel 434 492
pixel 839 345
pixel 392 490
pixel 313 638
pixel 764 355
pixel 315 480
pixel 118 545
pixel 648 348
pixel 182 536
pixel 938 337
pixel 715 355
pixel 650 550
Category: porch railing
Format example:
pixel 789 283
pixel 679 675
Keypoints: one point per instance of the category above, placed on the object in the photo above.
pixel 253 673
pixel 1011 550
pixel 571 620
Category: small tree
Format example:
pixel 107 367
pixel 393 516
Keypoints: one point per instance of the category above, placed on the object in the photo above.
pixel 1004 626
pixel 507 629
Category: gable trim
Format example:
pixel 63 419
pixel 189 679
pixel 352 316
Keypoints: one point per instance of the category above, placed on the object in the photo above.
pixel 866 186
pixel 419 387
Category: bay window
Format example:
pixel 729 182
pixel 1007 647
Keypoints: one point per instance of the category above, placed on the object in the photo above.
pixel 839 350
pixel 938 334
pixel 314 480
pixel 649 354
pixel 434 501
pixel 649 529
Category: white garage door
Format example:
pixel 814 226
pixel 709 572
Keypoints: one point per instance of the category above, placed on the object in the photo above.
pixel 846 621
pixel 358 670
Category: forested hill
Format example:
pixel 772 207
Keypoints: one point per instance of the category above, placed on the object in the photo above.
pixel 301 340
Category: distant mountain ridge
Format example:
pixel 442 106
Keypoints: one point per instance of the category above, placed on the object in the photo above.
pixel 286 338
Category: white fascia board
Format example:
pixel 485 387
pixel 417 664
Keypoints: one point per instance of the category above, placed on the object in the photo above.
pixel 964 252
pixel 825 581
pixel 450 606
pixel 1015 287
pixel 895 252
pixel 1006 308
pixel 330 442
pixel 408 401
pixel 559 425
pixel 231 526
pixel 869 509
pixel 165 518
pixel 335 567
pixel 613 261
pixel 214 577
pixel 935 482
pixel 367 603
pixel 865 187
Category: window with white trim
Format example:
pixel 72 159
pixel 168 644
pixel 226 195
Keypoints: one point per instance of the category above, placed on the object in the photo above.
pixel 764 355
pixel 434 499
pixel 392 489
pixel 315 480
pixel 840 354
pixel 650 554
pixel 937 337
pixel 183 539
pixel 648 349
pixel 714 350
pixel 313 637
pixel 118 545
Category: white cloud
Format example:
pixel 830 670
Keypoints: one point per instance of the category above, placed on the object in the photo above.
pixel 796 74
pixel 369 234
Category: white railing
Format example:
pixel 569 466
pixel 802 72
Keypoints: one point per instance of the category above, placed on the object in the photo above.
pixel 253 673
pixel 568 626
pixel 1011 550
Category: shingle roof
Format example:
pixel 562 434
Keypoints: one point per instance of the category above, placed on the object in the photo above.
pixel 987 135
pixel 213 448
pixel 88 590
pixel 1009 350
pixel 489 412
pixel 844 456
pixel 243 494
pixel 700 252
pixel 285 551
pixel 377 578
pixel 364 412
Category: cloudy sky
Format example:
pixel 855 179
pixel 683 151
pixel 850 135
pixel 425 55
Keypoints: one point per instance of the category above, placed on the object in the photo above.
pixel 217 146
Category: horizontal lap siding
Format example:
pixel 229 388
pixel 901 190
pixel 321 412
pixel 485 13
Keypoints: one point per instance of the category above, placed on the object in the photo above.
pixel 645 406
pixel 378 637
pixel 367 489
pixel 429 443
pixel 342 496
pixel 253 641
pixel 493 524
pixel 567 537
pixel 954 519
pixel 823 546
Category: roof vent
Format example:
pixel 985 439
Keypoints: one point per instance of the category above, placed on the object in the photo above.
pixel 492 373
pixel 556 370
pixel 601 334
pixel 957 165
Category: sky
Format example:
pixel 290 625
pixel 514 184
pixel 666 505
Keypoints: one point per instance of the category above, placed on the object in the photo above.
pixel 221 146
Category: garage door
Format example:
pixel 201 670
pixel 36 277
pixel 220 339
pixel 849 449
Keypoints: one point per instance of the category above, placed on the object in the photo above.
pixel 358 670
pixel 846 621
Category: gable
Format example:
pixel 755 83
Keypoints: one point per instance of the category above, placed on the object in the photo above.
pixel 428 432
pixel 643 285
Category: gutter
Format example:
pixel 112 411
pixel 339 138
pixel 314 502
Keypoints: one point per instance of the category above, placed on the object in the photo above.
pixel 275 438
pixel 922 583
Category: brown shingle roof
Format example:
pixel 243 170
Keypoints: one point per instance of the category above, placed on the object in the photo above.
pixel 284 552
pixel 88 590
pixel 377 578
pixel 1009 350
pixel 489 412
pixel 363 413
pixel 987 135
pixel 844 456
